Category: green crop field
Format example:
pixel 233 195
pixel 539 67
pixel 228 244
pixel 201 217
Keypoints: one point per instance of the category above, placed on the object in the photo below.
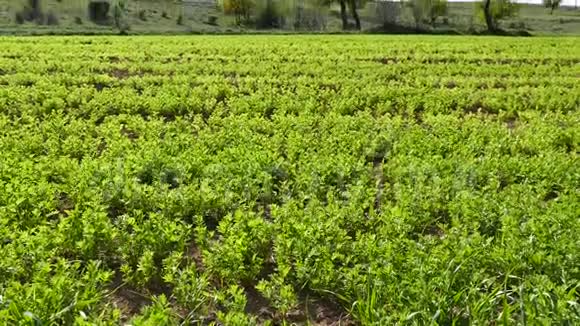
pixel 280 180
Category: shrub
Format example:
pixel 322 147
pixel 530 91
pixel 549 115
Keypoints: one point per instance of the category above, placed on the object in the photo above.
pixel 180 20
pixel 78 20
pixel 518 25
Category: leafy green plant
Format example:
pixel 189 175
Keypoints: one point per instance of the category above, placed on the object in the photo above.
pixel 243 247
pixel 158 313
pixel 281 295
pixel 262 180
pixel 58 293
pixel 233 300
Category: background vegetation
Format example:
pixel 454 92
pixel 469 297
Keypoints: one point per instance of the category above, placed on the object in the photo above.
pixel 265 16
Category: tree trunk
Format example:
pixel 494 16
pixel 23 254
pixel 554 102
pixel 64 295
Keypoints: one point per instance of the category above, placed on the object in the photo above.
pixel 488 18
pixel 35 7
pixel 355 13
pixel 343 15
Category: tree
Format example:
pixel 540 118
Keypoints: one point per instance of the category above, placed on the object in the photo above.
pixel 99 11
pixel 343 14
pixel 35 7
pixel 354 13
pixel 552 4
pixel 352 7
pixel 241 9
pixel 386 12
pixel 427 11
pixel 495 11
pixel 419 11
pixel 32 11
pixel 308 14
pixel 437 8
pixel 120 14
pixel 269 14
pixel 488 16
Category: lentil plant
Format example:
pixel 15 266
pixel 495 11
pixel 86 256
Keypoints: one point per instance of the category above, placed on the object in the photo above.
pixel 289 179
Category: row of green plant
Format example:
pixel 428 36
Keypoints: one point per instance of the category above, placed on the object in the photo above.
pixel 207 197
